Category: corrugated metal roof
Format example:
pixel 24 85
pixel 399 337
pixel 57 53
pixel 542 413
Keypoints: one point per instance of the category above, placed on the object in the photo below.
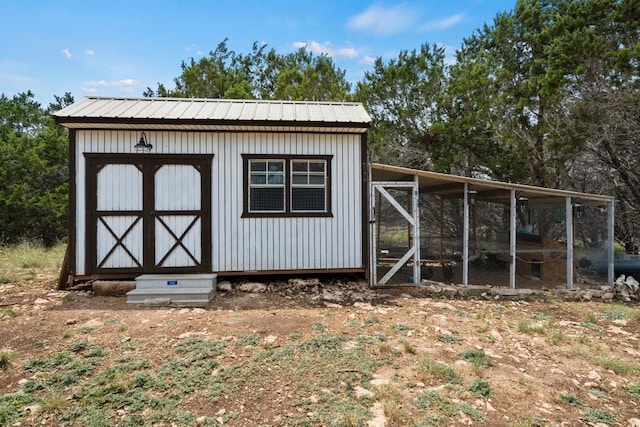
pixel 452 186
pixel 203 113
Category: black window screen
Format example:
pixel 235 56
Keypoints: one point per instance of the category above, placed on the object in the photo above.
pixel 266 199
pixel 308 199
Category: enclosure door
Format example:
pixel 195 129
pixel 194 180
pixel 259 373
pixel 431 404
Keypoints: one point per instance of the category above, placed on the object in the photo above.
pixel 382 270
pixel 148 214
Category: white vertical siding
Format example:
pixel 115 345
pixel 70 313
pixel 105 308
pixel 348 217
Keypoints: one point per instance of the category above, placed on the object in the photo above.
pixel 250 244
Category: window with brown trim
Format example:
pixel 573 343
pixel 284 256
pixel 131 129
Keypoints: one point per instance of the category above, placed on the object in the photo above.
pixel 287 185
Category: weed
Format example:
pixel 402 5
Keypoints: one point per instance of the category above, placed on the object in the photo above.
pixel 294 337
pixel 111 321
pixel 408 348
pixel 572 399
pixel 557 337
pixel 527 326
pixel 67 333
pixel 480 388
pixel 42 344
pixel 595 392
pixel 12 405
pixel 591 318
pixel 319 327
pixel 5 359
pixel 449 338
pixel 476 357
pixel 431 369
pixel 401 327
pixel 4 311
pixel 461 313
pixel 483 329
pixel 78 346
pixel 371 321
pixel 618 367
pixel 634 389
pixel 597 415
pixel 248 340
pixel 69 297
pixel 86 330
pixel 53 404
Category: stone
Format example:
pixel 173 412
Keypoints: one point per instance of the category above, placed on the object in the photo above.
pixel 93 323
pixel 40 301
pixel 299 283
pixel 112 288
pixel 633 422
pixel 224 286
pixel 378 420
pixel 253 287
pixel 362 392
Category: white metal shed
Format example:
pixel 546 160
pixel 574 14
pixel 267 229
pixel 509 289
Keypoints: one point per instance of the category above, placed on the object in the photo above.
pixel 225 186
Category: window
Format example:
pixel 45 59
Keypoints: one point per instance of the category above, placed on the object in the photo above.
pixel 287 185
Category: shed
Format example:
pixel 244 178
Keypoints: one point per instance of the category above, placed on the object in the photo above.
pixel 167 185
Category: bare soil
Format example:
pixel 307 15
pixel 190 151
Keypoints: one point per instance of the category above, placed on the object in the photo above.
pixel 551 362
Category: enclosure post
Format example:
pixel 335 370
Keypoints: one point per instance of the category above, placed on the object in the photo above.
pixel 569 223
pixel 610 241
pixel 512 240
pixel 374 226
pixel 416 232
pixel 465 238
pixel 441 231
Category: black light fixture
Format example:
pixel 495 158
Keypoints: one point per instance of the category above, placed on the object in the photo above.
pixel 578 209
pixel 522 202
pixel 472 194
pixel 143 146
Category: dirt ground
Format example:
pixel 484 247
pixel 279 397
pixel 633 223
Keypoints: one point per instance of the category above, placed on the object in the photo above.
pixel 542 361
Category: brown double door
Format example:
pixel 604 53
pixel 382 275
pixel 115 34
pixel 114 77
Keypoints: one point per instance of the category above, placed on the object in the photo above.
pixel 148 213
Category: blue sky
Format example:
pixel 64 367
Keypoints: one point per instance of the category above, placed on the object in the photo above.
pixel 119 48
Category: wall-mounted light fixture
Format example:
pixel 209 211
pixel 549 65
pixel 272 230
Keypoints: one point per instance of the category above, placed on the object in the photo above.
pixel 522 203
pixel 143 145
pixel 578 209
pixel 472 194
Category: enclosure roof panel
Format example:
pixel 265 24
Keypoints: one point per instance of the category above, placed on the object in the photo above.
pixel 213 114
pixel 452 186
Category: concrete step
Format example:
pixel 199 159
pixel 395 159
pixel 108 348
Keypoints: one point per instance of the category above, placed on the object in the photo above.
pixel 178 289
pixel 184 296
pixel 154 281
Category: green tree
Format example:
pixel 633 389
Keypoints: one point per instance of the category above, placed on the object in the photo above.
pixel 403 97
pixel 260 74
pixel 34 172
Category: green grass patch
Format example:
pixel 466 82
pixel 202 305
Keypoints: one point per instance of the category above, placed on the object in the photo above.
pixel 597 415
pixel 452 339
pixel 430 369
pixel 571 399
pixel 5 359
pixel 480 388
pixel 433 400
pixel 619 367
pixel 477 358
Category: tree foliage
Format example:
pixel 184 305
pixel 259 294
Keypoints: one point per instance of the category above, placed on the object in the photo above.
pixel 403 97
pixel 34 173
pixel 260 74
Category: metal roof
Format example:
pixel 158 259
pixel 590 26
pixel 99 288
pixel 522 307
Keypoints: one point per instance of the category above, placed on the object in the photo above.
pixel 452 186
pixel 213 114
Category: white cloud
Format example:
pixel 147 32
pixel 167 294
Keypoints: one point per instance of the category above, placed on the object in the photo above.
pixel 368 60
pixel 90 52
pixel 383 20
pixel 327 49
pixel 442 24
pixel 123 86
pixel 66 53
pixel 95 83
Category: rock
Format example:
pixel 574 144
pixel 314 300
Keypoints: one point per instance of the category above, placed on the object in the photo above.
pixel 379 381
pixel 633 422
pixel 71 321
pixel 298 283
pixel 363 392
pixel 379 420
pixel 253 287
pixel 224 286
pixel 334 295
pixel 332 305
pixel 112 288
pixel 607 296
pixel 270 339
pixel 39 301
pixel 593 375
pixel 93 323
